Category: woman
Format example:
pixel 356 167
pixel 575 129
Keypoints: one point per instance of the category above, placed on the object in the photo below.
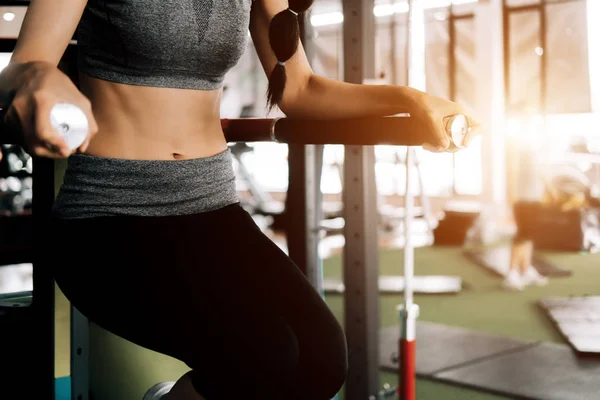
pixel 160 251
pixel 530 182
pixel 521 272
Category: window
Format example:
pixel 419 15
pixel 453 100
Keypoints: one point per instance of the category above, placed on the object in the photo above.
pixel 568 74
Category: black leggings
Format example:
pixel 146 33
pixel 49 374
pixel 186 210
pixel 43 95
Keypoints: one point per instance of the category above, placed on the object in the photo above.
pixel 523 212
pixel 211 290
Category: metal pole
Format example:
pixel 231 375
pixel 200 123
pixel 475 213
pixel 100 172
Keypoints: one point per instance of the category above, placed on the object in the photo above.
pixel 407 46
pixel 544 76
pixel 451 54
pixel 425 204
pixel 316 218
pixel 298 207
pixel 408 311
pixel 42 371
pixel 303 200
pixel 452 77
pixel 393 44
pixel 507 58
pixel 360 257
pixel 314 164
pixel 80 354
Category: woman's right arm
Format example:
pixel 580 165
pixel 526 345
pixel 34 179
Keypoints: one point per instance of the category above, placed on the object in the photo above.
pixel 34 81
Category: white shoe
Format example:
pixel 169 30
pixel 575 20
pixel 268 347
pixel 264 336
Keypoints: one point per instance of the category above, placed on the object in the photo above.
pixel 513 281
pixel 533 277
pixel 159 391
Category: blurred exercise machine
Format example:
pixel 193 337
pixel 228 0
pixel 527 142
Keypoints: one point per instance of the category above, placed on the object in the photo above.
pixel 259 201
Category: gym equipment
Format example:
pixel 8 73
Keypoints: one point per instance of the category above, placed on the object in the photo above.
pixel 408 311
pixel 399 130
pixel 544 371
pixel 518 369
pixel 17 343
pixel 452 230
pixel 443 347
pixel 262 203
pixel 158 391
pixel 18 162
pixel 29 345
pixel 67 119
pixel 15 278
pixel 16 296
pixel 395 284
pixel 387 392
pixel 393 130
pixel 458 127
pixel 15 238
pixel 577 319
pixel 70 122
pixel 553 228
pixel 567 218
pixel 567 187
pixel 497 260
pixel 392 217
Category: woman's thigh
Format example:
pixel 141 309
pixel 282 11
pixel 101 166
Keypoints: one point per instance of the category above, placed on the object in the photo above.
pixel 214 291
pixel 275 313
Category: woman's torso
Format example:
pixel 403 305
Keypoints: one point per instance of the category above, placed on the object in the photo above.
pixel 153 70
pixel 146 123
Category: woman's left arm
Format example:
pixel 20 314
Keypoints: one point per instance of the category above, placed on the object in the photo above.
pixel 311 96
pixel 307 95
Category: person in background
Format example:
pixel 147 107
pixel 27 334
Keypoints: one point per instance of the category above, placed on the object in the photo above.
pixel 521 271
pixel 530 189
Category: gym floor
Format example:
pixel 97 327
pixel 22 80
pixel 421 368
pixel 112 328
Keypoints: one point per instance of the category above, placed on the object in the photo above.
pixel 482 305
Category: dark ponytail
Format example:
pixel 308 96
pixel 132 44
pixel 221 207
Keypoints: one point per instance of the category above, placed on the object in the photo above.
pixel 284 34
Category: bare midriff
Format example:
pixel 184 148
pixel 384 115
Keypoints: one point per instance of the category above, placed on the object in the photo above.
pixel 153 123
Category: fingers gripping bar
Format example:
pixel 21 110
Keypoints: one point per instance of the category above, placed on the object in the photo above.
pixel 67 120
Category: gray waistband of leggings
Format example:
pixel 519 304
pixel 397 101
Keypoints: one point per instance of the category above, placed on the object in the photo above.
pixel 98 186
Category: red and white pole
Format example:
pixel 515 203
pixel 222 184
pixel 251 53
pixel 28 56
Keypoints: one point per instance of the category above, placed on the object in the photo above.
pixel 407 373
pixel 408 311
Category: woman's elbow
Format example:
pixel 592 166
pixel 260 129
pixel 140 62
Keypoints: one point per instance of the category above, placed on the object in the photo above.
pixel 295 98
pixel 288 107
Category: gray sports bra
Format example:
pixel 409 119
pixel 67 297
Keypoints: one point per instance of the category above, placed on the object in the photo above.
pixel 187 44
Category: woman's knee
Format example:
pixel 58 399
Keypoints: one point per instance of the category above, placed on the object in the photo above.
pixel 185 389
pixel 316 371
pixel 331 378
pixel 326 371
